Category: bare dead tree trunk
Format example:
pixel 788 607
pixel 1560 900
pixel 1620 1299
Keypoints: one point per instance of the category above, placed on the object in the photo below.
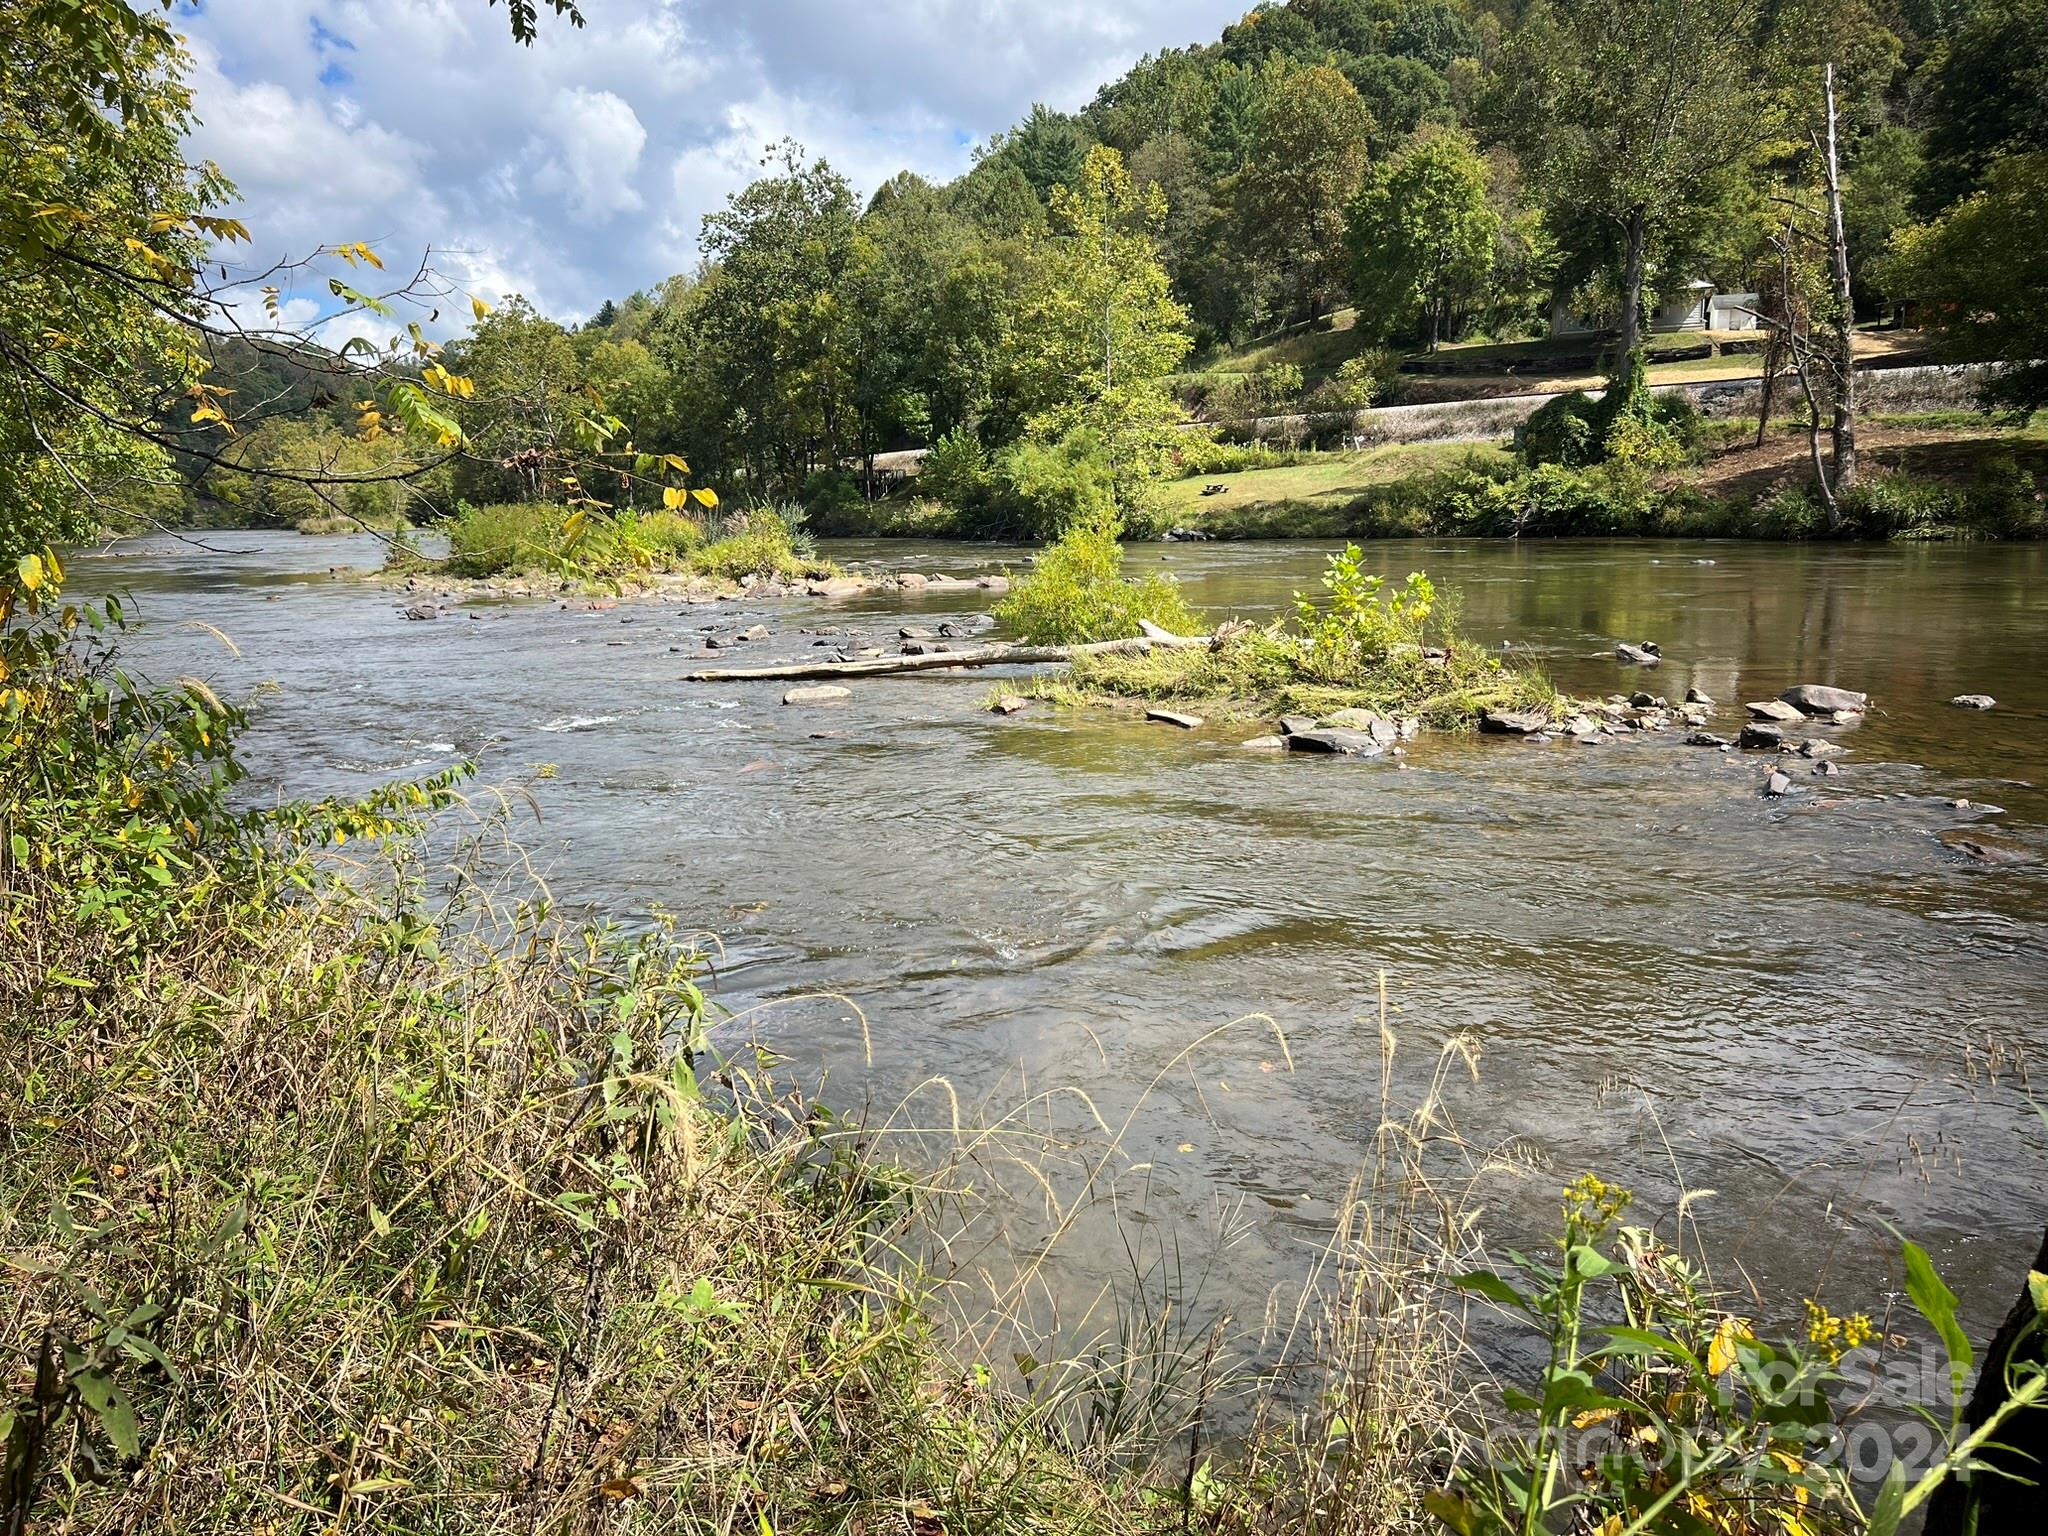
pixel 1845 315
pixel 1637 226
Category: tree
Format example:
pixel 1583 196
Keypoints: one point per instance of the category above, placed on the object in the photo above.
pixel 107 315
pixel 1422 236
pixel 768 338
pixel 1096 324
pixel 1048 147
pixel 1980 275
pixel 1307 163
pixel 520 426
pixel 1626 110
pixel 1989 98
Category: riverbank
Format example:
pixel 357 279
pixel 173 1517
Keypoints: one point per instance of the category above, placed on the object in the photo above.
pixel 345 1193
pixel 1926 475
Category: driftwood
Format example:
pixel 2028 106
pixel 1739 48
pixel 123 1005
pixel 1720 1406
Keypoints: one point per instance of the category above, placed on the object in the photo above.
pixel 997 653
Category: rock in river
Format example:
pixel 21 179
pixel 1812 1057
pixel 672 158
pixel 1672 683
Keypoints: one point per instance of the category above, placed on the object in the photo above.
pixel 1705 739
pixel 1775 709
pixel 1265 744
pixel 1698 696
pixel 423 611
pixel 1511 722
pixel 1171 717
pixel 1777 784
pixel 1819 699
pixel 1973 701
pixel 1009 703
pixel 822 693
pixel 1645 655
pixel 1345 743
pixel 1294 725
pixel 1813 746
pixel 1760 738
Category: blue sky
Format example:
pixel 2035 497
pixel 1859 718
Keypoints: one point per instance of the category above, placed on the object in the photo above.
pixel 580 168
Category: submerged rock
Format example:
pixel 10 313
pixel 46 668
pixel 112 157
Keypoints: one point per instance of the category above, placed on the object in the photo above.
pixel 1820 699
pixel 1813 746
pixel 1345 743
pixel 821 693
pixel 1265 744
pixel 1984 848
pixel 1009 704
pixel 1826 769
pixel 912 581
pixel 1705 739
pixel 1645 655
pixel 1973 701
pixel 422 611
pixel 1510 722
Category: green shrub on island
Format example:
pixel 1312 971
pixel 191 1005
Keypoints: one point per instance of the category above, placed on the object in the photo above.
pixel 515 538
pixel 768 542
pixel 1076 591
pixel 1362 645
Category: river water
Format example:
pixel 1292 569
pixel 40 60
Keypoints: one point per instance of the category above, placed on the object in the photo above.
pixel 1816 1007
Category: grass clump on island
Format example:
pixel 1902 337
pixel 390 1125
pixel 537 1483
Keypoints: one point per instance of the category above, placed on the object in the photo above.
pixel 1395 652
pixel 519 538
pixel 330 1201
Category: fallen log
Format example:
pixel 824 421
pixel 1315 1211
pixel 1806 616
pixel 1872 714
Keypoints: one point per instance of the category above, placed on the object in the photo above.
pixel 996 653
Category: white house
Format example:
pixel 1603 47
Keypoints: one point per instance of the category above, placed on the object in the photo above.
pixel 1696 307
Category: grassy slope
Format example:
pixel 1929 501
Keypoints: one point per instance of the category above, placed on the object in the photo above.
pixel 1324 482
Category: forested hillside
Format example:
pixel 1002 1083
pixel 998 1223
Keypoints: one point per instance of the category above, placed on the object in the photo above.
pixel 1447 169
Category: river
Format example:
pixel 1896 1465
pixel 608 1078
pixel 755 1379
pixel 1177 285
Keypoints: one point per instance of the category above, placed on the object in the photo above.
pixel 1814 1007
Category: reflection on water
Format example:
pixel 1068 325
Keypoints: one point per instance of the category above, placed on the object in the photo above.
pixel 1672 980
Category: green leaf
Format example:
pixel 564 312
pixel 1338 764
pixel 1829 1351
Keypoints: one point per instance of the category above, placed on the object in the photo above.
pixel 1937 1303
pixel 1453 1510
pixel 97 1390
pixel 1484 1282
pixel 1890 1507
pixel 19 845
pixel 1589 1263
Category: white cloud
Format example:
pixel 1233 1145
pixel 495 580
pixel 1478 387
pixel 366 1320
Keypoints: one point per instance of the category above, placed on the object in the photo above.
pixel 598 141
pixel 580 168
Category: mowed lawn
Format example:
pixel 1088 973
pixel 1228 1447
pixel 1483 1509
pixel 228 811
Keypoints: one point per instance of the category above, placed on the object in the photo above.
pixel 1328 480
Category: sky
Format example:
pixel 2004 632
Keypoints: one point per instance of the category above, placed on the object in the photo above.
pixel 580 169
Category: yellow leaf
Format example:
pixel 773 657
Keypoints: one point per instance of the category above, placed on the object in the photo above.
pixel 672 496
pixel 708 498
pixel 369 255
pixel 675 462
pixel 1721 1351
pixel 478 307
pixel 622 1488
pixel 1591 1417
pixel 29 569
